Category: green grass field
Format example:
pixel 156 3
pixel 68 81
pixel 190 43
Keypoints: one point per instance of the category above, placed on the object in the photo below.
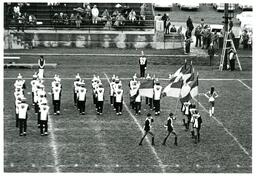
pixel 109 143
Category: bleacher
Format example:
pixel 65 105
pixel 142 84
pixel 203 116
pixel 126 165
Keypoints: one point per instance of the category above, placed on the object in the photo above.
pixel 44 13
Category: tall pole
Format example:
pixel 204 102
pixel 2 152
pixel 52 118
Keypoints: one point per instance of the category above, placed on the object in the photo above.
pixel 226 33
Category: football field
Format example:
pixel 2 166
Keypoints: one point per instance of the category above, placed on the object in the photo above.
pixel 109 143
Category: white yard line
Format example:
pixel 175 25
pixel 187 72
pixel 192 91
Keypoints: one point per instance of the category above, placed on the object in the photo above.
pixel 53 144
pixel 161 165
pixel 163 79
pixel 227 131
pixel 244 84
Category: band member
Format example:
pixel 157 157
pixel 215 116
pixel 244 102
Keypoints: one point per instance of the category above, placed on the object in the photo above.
pixel 211 95
pixel 149 101
pixel 33 83
pixel 20 83
pixel 187 114
pixel 147 127
pixel 143 64
pixel 76 88
pixel 56 93
pixel 81 98
pixel 23 116
pixel 170 129
pixel 111 85
pixel 41 64
pixel 100 99
pixel 156 97
pixel 192 112
pixel 44 111
pixel 119 101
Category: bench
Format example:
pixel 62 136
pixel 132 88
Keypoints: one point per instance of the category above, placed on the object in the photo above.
pixel 11 58
pixel 28 65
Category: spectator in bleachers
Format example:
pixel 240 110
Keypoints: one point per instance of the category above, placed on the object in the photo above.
pixel 115 13
pixel 78 20
pixel 16 10
pixel 95 14
pixel 142 11
pixel 125 11
pixel 60 19
pixel 65 19
pixel 132 16
pixel 55 20
pixel 72 19
pixel 105 15
pixel 190 25
pixel 119 20
pixel 173 29
pixel 88 13
pixel 140 20
pixel 32 20
pixel 21 23
pixel 245 39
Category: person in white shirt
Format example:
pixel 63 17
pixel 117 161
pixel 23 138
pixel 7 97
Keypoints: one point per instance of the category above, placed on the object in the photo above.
pixel 23 116
pixel 100 99
pixel 76 88
pixel 138 104
pixel 20 83
pixel 81 98
pixel 95 14
pixel 111 85
pixel 157 90
pixel 197 121
pixel 143 64
pixel 211 95
pixel 44 112
pixel 33 83
pixel 56 93
pixel 187 114
pixel 119 101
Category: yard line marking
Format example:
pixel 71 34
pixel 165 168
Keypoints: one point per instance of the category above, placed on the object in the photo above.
pixel 227 131
pixel 54 145
pixel 127 78
pixel 244 84
pixel 161 165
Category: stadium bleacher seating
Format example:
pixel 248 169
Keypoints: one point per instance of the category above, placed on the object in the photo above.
pixel 44 13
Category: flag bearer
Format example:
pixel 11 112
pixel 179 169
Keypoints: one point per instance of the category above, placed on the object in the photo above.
pixel 100 99
pixel 44 111
pixel 81 95
pixel 197 125
pixel 119 100
pixel 192 112
pixel 157 96
pixel 147 127
pixel 187 114
pixel 170 129
pixel 23 115
pixel 211 95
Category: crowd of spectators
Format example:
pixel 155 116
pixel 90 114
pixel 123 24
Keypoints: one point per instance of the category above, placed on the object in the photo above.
pixel 87 15
pixel 17 14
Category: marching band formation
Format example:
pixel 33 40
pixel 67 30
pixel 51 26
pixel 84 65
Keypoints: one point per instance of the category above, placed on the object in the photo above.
pixel 192 119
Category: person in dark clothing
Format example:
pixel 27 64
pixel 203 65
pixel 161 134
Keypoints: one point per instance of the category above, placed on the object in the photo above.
pixel 143 64
pixel 197 121
pixel 190 25
pixel 211 52
pixel 164 18
pixel 188 41
pixel 230 25
pixel 173 29
pixel 147 126
pixel 170 129
pixel 232 60
pixel 198 31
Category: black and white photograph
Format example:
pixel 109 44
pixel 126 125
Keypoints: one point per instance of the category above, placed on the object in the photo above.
pixel 127 87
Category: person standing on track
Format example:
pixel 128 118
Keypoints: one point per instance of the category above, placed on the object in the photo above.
pixel 147 127
pixel 41 64
pixel 143 64
pixel 211 95
pixel 170 129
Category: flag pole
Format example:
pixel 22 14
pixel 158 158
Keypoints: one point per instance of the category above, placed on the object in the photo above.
pixel 197 94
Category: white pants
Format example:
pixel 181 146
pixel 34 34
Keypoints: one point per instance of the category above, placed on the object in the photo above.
pixel 41 73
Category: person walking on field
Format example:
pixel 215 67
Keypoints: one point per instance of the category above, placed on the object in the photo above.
pixel 143 64
pixel 170 129
pixel 147 127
